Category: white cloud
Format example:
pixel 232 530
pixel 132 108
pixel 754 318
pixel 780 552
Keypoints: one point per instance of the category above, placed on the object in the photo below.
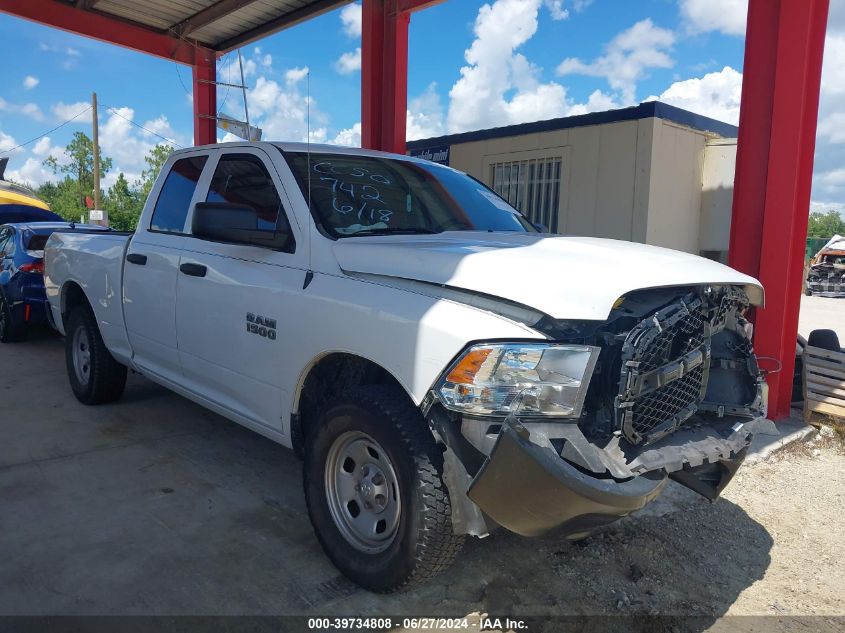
pixel 44 148
pixel 29 82
pixel 627 58
pixel 32 173
pixel 725 16
pixel 557 10
pixel 229 70
pixel 349 63
pixel 495 71
pixel 281 110
pixel 30 110
pixel 66 111
pixel 295 75
pixel 833 67
pixel 7 142
pixel 69 56
pixel 829 177
pixel 715 95
pixel 350 137
pixel 832 128
pixel 350 16
pixel 425 115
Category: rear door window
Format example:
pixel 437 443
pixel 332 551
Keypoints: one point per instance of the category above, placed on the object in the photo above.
pixel 37 241
pixel 174 200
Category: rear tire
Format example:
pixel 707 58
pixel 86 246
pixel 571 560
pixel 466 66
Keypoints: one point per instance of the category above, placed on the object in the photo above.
pixel 95 376
pixel 374 490
pixel 10 331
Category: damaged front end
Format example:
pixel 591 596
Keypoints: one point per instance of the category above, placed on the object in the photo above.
pixel 826 278
pixel 669 387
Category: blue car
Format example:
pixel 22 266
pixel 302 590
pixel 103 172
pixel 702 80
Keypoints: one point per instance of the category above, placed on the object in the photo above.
pixel 22 298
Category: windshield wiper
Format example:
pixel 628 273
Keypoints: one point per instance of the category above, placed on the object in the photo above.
pixel 393 231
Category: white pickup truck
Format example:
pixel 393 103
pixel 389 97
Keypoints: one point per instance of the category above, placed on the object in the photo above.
pixel 443 367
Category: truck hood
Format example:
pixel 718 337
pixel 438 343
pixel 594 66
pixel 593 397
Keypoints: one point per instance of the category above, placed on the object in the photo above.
pixel 564 277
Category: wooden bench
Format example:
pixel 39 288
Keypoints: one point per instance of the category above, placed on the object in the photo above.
pixel 824 382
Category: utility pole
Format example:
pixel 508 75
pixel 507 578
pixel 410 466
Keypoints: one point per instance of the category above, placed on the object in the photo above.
pixel 96 139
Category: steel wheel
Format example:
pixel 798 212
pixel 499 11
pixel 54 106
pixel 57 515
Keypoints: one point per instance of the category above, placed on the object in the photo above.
pixel 362 492
pixel 81 356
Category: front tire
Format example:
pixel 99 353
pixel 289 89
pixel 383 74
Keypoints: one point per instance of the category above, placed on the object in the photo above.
pixel 95 376
pixel 374 490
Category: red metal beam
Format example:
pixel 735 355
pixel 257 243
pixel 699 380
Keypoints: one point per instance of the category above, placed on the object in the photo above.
pixel 417 5
pixel 101 27
pixel 384 75
pixel 777 131
pixel 210 14
pixel 205 100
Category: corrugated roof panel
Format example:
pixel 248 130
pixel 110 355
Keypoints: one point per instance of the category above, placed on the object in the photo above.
pixel 247 18
pixel 159 14
pixel 227 29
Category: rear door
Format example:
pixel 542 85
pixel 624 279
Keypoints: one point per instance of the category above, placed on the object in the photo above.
pixel 236 303
pixel 151 267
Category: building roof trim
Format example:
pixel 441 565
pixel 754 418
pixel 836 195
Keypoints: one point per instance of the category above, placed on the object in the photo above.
pixel 648 109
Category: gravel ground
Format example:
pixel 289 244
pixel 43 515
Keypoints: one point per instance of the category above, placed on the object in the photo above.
pixel 772 545
pixel 822 313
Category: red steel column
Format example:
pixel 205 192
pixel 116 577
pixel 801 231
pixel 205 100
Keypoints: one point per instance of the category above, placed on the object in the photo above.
pixel 774 169
pixel 205 97
pixel 384 75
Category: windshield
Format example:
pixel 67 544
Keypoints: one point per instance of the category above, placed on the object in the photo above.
pixel 368 195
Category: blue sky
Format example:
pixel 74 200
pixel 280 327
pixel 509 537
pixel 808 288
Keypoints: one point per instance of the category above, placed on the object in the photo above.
pixel 473 64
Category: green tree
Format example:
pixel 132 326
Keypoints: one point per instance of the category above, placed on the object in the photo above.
pixel 78 166
pixel 123 205
pixel 155 160
pixel 825 224
pixel 63 198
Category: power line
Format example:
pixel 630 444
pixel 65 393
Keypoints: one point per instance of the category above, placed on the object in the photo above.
pixel 40 136
pixel 138 125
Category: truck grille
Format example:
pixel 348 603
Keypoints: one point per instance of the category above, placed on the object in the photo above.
pixel 664 371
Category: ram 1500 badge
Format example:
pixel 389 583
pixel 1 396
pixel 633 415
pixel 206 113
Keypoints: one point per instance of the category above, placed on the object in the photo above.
pixel 443 368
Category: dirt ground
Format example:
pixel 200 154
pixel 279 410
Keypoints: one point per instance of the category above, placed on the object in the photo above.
pixel 772 545
pixel 154 506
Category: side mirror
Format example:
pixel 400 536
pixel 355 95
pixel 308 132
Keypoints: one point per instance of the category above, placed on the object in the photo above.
pixel 236 224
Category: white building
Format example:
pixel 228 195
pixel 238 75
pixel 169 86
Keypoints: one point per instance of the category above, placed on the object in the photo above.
pixel 652 173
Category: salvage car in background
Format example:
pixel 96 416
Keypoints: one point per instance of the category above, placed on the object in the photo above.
pixel 443 368
pixel 826 275
pixel 22 299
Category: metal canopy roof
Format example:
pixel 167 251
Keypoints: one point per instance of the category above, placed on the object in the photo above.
pixel 220 25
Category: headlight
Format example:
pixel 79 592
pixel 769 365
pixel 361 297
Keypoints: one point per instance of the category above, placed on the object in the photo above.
pixel 540 379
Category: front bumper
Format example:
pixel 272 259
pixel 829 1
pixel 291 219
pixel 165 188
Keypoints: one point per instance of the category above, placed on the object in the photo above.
pixel 530 490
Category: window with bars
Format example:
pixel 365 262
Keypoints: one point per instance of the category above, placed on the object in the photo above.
pixel 532 186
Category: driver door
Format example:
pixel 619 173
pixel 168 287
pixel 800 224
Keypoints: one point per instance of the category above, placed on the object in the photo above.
pixel 236 303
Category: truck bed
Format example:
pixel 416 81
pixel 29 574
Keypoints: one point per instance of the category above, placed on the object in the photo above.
pixel 94 261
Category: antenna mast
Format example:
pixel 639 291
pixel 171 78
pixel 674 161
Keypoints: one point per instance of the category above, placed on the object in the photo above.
pixel 243 88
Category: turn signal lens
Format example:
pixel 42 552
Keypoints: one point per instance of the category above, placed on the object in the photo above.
pixel 466 369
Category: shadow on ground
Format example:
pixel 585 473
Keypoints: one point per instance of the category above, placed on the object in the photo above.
pixel 156 506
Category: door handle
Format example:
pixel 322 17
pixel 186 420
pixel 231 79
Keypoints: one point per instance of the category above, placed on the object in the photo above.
pixel 194 270
pixel 137 258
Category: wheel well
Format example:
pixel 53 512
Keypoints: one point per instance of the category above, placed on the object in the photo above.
pixel 328 377
pixel 72 296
